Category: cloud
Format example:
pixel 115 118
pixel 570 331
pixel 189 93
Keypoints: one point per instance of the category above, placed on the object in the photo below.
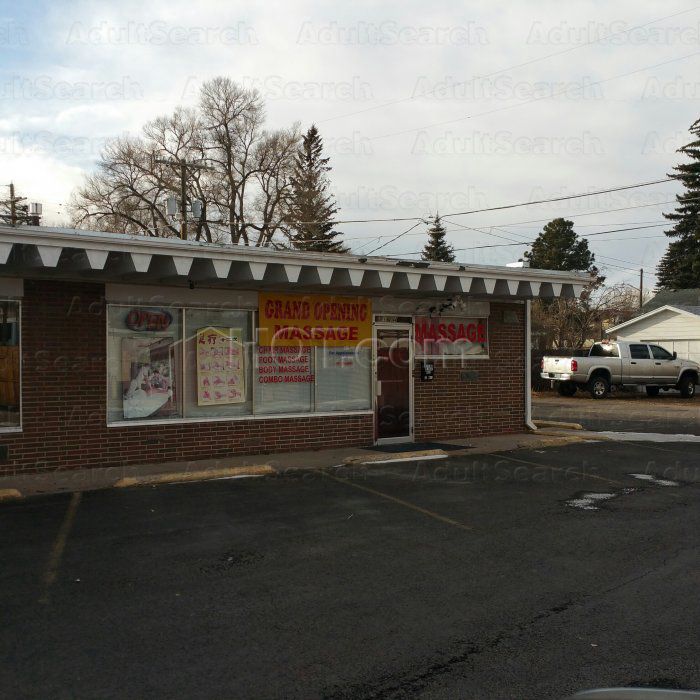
pixel 89 70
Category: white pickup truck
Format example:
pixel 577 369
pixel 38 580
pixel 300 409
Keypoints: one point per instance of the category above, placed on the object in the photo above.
pixel 622 364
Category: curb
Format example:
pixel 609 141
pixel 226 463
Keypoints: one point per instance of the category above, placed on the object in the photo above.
pixel 557 424
pixel 388 456
pixel 205 475
pixel 10 495
pixel 554 441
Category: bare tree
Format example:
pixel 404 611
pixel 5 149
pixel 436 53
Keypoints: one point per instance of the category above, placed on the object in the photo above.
pixel 573 323
pixel 239 171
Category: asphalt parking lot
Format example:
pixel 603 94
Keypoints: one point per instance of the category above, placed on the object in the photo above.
pixel 622 412
pixel 470 577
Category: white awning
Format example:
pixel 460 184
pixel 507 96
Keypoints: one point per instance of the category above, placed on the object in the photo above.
pixel 70 254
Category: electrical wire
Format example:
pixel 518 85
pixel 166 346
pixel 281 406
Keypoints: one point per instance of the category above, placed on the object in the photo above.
pixel 526 243
pixel 508 68
pixel 530 101
pixel 524 204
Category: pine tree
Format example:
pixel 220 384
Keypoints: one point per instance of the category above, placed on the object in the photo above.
pixel 437 248
pixel 311 208
pixel 680 266
pixel 558 247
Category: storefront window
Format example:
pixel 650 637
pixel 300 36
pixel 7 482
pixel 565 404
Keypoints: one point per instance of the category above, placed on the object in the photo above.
pixel 343 379
pixel 451 337
pixel 217 362
pixel 144 363
pixel 9 364
pixel 166 363
pixel 284 379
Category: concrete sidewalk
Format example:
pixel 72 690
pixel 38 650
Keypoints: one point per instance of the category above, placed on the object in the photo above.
pixel 22 485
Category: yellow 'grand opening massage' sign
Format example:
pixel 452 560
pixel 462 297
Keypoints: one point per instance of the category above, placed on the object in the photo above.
pixel 314 320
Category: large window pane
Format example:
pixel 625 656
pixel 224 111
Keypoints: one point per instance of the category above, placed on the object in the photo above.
pixel 9 364
pixel 143 363
pixel 343 379
pixel 217 363
pixel 451 337
pixel 284 376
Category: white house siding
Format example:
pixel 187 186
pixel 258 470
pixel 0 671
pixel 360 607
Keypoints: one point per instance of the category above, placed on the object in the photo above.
pixel 672 330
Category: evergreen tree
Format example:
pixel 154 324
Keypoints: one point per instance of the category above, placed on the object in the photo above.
pixel 437 248
pixel 311 208
pixel 558 247
pixel 680 266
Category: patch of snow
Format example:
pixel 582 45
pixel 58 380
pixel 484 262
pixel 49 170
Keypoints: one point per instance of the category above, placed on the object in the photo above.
pixel 649 437
pixel 654 480
pixel 588 501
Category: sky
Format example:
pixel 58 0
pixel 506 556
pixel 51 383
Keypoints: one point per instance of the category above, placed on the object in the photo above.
pixel 424 108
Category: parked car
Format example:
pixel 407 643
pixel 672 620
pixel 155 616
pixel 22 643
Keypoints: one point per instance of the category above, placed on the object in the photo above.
pixel 623 364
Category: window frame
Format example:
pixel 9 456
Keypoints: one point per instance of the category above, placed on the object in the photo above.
pixel 660 359
pixel 17 428
pixel 123 423
pixel 462 357
pixel 644 345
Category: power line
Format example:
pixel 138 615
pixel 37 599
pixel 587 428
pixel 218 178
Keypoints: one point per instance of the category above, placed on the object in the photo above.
pixel 524 204
pixel 534 99
pixel 601 211
pixel 526 243
pixel 537 221
pixel 504 70
pixel 396 237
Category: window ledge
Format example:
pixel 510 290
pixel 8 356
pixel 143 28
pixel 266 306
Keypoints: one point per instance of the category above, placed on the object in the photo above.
pixel 235 419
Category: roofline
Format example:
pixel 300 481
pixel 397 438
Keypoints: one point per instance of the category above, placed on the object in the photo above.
pixel 176 246
pixel 42 247
pixel 648 314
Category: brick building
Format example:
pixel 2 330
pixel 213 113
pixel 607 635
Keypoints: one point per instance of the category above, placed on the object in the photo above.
pixel 119 350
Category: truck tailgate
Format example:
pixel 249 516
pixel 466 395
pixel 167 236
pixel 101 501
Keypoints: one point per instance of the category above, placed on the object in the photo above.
pixel 557 365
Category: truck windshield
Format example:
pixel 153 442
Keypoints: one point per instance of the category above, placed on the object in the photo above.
pixel 604 350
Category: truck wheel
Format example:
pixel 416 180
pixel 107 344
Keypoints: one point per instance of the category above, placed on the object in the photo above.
pixel 687 386
pixel 599 387
pixel 652 391
pixel 566 388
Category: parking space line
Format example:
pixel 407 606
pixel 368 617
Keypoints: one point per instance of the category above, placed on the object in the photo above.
pixel 59 546
pixel 568 470
pixel 646 445
pixel 401 502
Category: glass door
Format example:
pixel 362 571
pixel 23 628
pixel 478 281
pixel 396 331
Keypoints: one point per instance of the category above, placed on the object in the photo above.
pixel 393 377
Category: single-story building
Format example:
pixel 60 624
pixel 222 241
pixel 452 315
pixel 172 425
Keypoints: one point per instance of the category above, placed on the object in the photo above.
pixel 118 350
pixel 671 319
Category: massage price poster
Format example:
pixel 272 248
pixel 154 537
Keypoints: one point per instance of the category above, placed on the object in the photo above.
pixel 220 371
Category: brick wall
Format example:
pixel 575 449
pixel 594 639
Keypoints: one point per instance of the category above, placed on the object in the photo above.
pixel 449 407
pixel 64 390
pixel 64 397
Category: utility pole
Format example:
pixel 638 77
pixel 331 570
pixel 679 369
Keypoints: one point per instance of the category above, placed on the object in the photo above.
pixel 20 213
pixel 182 165
pixel 641 286
pixel 13 209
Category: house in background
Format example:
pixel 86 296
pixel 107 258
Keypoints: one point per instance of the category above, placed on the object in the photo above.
pixel 670 319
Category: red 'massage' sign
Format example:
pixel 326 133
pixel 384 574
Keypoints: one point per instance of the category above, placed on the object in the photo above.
pixel 451 336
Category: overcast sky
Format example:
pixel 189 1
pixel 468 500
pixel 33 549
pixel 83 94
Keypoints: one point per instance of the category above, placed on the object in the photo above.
pixel 424 107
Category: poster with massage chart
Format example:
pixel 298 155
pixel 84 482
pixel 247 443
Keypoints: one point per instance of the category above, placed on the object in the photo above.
pixel 220 373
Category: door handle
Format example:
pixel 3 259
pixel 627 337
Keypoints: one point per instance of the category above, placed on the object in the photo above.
pixel 379 388
pixel 633 363
pixel 657 363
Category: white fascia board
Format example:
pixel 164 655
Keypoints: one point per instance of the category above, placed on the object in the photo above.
pixel 649 314
pixel 58 238
pixel 96 258
pixel 5 250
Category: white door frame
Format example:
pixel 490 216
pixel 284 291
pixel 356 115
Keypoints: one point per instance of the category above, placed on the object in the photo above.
pixel 393 326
